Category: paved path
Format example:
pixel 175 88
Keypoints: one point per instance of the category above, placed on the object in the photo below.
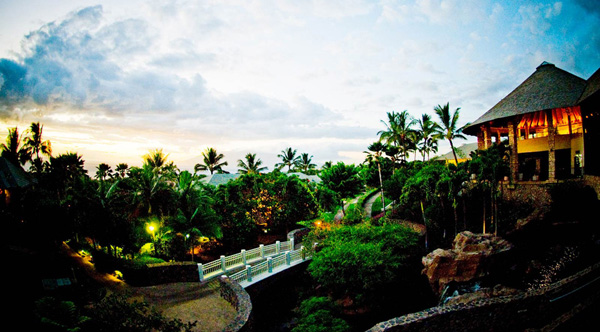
pixel 186 301
pixel 369 203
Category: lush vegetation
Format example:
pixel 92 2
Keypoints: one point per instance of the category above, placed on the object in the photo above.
pixel 130 216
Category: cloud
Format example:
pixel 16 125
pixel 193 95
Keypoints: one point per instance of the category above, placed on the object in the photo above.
pixel 438 12
pixel 537 18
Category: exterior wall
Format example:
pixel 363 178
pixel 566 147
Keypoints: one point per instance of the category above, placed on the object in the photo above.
pixel 538 309
pixel 235 294
pixel 541 144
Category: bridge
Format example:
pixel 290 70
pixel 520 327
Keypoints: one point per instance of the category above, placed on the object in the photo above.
pixel 250 266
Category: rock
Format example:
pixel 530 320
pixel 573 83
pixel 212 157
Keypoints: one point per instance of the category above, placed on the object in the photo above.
pixel 472 256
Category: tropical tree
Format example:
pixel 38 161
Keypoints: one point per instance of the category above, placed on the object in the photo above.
pixel 212 161
pixel 13 150
pixel 251 165
pixel 155 158
pixel 150 190
pixel 288 158
pixel 65 171
pixel 158 162
pixel 375 151
pixel 194 212
pixel 449 125
pixel 344 180
pixel 103 171
pixel 305 164
pixel 429 132
pixel 398 131
pixel 392 152
pixel 36 144
pixel 121 170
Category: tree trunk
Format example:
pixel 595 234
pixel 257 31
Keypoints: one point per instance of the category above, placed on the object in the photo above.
pixel 381 187
pixel 425 224
pixel 484 212
pixel 455 208
pixel 453 152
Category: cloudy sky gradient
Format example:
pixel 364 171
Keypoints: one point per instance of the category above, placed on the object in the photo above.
pixel 112 80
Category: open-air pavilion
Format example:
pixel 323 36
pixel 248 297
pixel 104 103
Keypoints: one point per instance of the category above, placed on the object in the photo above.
pixel 551 122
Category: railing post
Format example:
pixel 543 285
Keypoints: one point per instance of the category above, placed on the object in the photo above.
pixel 277 247
pixel 303 252
pixel 270 264
pixel 291 244
pixel 288 258
pixel 223 266
pixel 244 256
pixel 262 250
pixel 249 272
pixel 200 272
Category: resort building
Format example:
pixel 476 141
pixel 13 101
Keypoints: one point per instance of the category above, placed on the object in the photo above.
pixel 12 178
pixel 551 122
pixel 463 153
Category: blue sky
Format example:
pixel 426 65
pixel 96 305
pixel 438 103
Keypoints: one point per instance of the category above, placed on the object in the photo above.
pixel 112 80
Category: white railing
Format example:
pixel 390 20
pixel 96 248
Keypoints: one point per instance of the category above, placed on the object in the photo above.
pixel 250 272
pixel 244 258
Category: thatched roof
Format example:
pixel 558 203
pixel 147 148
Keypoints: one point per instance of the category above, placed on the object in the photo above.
pixel 547 88
pixel 12 176
pixel 592 87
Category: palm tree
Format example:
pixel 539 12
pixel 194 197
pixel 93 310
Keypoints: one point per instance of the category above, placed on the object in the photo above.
pixel 398 131
pixel 155 159
pixel 37 145
pixel 251 165
pixel 121 170
pixel 148 186
pixel 429 132
pixel 392 152
pixel 212 161
pixel 449 125
pixel 376 150
pixel 12 149
pixel 288 158
pixel 305 163
pixel 102 171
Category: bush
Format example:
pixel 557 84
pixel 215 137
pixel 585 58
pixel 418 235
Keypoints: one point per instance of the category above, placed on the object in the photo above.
pixel 362 260
pixel 319 314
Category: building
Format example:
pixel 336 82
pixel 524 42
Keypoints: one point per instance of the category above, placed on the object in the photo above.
pixel 463 153
pixel 12 178
pixel 551 122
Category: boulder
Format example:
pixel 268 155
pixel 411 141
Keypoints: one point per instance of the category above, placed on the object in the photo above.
pixel 472 256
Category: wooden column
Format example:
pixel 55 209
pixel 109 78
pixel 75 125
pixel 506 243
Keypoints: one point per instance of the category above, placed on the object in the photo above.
pixel 514 157
pixel 551 146
pixel 480 141
pixel 487 136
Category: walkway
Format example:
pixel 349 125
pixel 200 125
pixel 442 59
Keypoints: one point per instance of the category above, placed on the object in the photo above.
pixel 189 302
pixel 369 204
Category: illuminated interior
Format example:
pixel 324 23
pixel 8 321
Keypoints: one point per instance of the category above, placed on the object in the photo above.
pixel 566 120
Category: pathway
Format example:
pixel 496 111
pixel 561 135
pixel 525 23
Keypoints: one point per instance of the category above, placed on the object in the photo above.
pixel 186 301
pixel 369 203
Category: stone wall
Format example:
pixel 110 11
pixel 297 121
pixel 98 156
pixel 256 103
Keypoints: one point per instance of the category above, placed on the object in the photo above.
pixel 235 294
pixel 534 309
pixel 534 193
pixel 594 182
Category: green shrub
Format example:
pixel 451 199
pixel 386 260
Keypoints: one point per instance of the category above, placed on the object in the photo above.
pixel 319 314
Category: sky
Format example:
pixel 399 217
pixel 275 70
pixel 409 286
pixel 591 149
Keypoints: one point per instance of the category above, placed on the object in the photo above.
pixel 112 80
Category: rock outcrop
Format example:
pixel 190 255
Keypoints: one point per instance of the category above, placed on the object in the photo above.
pixel 473 256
